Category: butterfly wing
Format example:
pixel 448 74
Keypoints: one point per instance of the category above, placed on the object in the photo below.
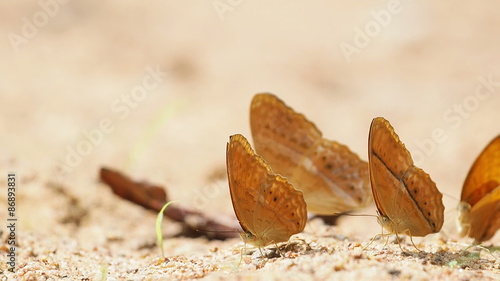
pixel 428 212
pixel 333 178
pixel 388 160
pixel 407 200
pixel 480 199
pixel 482 220
pixel 280 135
pixel 484 175
pixel 267 206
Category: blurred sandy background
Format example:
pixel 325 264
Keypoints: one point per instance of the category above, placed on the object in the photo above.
pixel 69 66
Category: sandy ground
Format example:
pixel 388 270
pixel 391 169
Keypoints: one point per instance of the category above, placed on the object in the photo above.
pixel 155 89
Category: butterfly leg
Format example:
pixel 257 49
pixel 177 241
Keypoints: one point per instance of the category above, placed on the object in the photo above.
pixel 371 241
pixel 411 239
pixel 278 249
pixel 375 237
pixel 399 242
pixel 387 235
pixel 387 240
pixel 464 252
pixel 241 253
pixel 260 250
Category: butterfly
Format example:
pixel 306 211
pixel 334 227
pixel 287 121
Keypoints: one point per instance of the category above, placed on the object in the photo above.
pixel 480 200
pixel 332 178
pixel 408 201
pixel 268 207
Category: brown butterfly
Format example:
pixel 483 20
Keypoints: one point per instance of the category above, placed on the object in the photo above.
pixel 407 200
pixel 268 207
pixel 480 201
pixel 332 178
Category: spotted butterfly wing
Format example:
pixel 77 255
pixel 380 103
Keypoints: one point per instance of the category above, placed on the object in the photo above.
pixel 407 200
pixel 267 206
pixel 332 178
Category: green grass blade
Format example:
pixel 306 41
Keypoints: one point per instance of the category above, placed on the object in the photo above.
pixel 159 235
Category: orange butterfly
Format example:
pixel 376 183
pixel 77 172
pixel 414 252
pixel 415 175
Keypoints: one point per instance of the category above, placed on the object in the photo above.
pixel 407 200
pixel 480 201
pixel 332 178
pixel 268 207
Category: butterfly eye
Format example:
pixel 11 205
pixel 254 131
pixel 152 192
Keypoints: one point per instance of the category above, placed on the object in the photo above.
pixel 382 220
pixel 246 235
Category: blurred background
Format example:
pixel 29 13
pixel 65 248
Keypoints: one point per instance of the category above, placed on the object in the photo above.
pixel 155 88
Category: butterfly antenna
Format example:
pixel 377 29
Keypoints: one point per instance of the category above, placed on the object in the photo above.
pixel 451 197
pixel 217 231
pixel 358 215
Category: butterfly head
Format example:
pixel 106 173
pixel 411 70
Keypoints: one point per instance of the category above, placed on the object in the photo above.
pixel 393 226
pixel 463 220
pixel 384 221
pixel 256 241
